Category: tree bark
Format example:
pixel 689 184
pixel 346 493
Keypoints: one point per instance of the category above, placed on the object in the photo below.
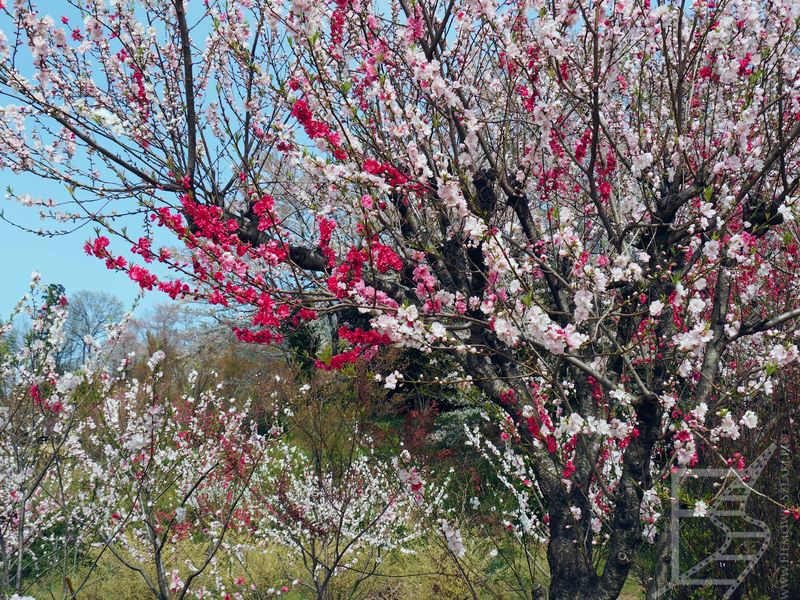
pixel 572 575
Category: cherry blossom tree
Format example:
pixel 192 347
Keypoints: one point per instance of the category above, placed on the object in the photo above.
pixel 341 519
pixel 94 461
pixel 589 206
pixel 46 519
pixel 167 470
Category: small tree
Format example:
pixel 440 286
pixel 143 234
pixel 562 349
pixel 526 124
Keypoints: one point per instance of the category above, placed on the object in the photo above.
pixel 44 519
pixel 90 314
pixel 94 461
pixel 164 470
pixel 345 516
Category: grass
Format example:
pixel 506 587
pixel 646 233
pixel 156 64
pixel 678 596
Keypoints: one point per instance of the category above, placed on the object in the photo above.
pixel 427 573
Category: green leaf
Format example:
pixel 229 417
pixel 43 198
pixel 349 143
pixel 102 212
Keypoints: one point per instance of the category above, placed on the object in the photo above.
pixel 527 299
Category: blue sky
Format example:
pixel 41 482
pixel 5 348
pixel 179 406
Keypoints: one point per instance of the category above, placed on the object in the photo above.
pixel 59 259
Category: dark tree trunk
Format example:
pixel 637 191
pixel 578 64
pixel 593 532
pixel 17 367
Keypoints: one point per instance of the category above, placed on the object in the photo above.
pixel 569 553
pixel 570 576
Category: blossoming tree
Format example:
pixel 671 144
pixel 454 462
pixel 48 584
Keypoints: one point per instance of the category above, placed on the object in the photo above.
pixel 335 522
pixel 590 205
pixel 166 470
pixel 93 461
pixel 38 446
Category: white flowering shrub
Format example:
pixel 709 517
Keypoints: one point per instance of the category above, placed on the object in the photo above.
pixel 342 516
pixel 167 470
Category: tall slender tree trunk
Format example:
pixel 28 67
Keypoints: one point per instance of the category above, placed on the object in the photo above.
pixel 20 546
